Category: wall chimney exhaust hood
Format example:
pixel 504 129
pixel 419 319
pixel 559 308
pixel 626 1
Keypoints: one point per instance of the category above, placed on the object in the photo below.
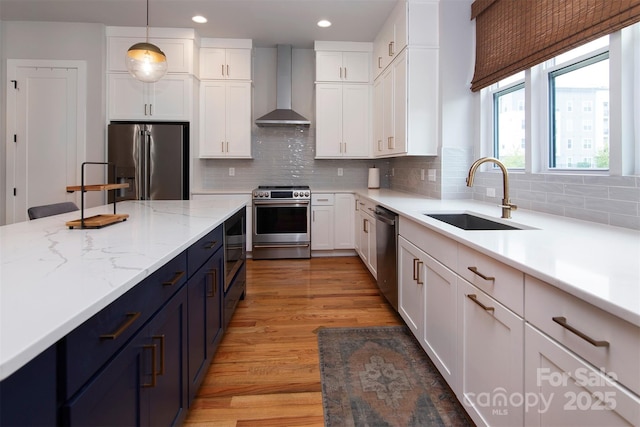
pixel 283 115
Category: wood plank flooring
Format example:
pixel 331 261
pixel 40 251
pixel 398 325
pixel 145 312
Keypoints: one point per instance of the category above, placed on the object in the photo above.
pixel 266 370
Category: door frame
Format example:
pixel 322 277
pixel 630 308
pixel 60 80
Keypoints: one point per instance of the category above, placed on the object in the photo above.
pixel 11 117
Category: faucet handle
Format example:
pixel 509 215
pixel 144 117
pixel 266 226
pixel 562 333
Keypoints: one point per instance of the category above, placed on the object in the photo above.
pixel 508 205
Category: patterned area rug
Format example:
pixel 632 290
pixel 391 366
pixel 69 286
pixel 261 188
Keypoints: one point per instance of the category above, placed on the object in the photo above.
pixel 380 376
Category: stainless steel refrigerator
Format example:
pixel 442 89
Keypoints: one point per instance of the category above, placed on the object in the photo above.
pixel 152 157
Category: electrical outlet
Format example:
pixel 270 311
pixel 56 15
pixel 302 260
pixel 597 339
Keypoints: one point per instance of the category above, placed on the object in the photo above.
pixel 421 174
pixel 340 172
pixel 431 173
pixel 232 171
pixel 491 192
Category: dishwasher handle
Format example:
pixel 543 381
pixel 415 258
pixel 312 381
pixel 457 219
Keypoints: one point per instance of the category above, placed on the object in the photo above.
pixel 385 217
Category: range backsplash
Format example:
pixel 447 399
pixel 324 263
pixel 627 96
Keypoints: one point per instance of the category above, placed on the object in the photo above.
pixel 283 156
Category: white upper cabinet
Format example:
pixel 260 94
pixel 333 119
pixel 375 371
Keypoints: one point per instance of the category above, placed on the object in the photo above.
pixel 225 64
pixel 177 45
pixel 342 67
pixel 410 24
pixel 167 99
pixel 225 119
pixel 342 120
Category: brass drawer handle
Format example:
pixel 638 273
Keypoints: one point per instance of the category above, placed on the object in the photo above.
pixel 211 245
pixel 474 298
pixel 151 347
pixel 415 270
pixel 176 278
pixel 131 318
pixel 475 271
pixel 418 278
pixel 562 321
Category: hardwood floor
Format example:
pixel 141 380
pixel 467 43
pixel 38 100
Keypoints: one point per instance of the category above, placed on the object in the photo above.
pixel 266 371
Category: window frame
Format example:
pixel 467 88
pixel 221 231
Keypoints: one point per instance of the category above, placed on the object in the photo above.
pixel 623 107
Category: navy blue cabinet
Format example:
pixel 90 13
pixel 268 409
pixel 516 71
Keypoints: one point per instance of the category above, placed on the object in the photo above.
pixel 205 312
pixel 145 383
pixel 28 396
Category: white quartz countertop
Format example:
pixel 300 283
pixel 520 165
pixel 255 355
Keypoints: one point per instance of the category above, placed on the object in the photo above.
pixel 52 279
pixel 597 263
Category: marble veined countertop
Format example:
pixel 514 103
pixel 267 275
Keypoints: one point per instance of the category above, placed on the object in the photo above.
pixel 52 279
pixel 597 263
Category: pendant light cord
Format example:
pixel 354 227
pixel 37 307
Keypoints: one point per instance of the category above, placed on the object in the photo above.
pixel 147 21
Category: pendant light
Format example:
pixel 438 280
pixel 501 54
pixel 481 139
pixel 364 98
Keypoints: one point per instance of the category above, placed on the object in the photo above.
pixel 145 61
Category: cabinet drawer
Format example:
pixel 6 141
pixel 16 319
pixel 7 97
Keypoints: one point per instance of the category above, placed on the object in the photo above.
pixel 322 199
pixel 615 345
pixel 199 252
pixel 94 342
pixel 504 283
pixel 366 206
pixel 435 244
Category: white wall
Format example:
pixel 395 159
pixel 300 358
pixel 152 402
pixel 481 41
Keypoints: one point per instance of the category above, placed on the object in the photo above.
pixel 60 41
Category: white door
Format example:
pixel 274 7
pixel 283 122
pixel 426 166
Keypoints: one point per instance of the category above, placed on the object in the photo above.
pixel 45 133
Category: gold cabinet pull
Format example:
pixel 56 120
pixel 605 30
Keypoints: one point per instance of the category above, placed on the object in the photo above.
pixel 176 278
pixel 151 347
pixel 227 70
pixel 131 318
pixel 475 271
pixel 391 48
pixel 379 61
pixel 213 273
pixel 345 73
pixel 562 321
pixel 415 270
pixel 211 245
pixel 222 146
pixel 161 339
pixel 474 298
pixel 222 69
pixel 364 226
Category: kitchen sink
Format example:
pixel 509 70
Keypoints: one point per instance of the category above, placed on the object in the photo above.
pixel 468 221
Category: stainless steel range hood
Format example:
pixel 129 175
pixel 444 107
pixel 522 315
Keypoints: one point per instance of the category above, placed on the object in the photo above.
pixel 283 115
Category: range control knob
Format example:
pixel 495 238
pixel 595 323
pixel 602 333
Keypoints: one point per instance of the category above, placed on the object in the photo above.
pixel 306 194
pixel 296 194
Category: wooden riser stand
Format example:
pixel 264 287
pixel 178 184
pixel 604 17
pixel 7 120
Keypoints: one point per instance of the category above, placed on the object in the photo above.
pixel 101 220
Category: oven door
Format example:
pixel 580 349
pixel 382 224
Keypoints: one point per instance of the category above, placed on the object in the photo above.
pixel 278 221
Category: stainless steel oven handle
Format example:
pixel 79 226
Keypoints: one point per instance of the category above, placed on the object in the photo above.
pixel 281 246
pixel 283 202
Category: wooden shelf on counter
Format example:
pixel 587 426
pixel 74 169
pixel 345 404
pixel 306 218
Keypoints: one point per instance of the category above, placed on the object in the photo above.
pixel 97 221
pixel 96 187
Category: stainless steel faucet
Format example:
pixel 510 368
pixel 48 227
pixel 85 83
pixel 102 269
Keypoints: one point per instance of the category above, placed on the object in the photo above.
pixel 506 205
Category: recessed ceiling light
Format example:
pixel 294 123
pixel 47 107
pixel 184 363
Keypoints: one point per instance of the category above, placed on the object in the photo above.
pixel 199 19
pixel 324 23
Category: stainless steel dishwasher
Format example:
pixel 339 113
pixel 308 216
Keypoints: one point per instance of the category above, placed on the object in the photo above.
pixel 387 253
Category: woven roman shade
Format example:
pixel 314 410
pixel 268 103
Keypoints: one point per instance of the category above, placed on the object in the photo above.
pixel 513 35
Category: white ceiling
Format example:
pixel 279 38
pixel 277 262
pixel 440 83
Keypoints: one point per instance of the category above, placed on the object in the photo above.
pixel 267 22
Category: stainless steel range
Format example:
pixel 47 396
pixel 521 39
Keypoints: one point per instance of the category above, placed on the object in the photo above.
pixel 281 222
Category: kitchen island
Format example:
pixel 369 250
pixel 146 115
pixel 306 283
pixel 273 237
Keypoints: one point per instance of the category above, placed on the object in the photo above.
pixel 53 279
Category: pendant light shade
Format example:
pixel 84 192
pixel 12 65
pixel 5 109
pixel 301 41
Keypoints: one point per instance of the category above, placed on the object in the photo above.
pixel 145 61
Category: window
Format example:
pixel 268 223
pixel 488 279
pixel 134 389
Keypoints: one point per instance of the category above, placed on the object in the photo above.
pixel 585 82
pixel 509 121
pixel 570 117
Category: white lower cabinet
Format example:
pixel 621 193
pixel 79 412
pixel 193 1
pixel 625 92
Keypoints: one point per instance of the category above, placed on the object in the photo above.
pixel 322 221
pixel 427 303
pixel 343 221
pixel 366 235
pixel 490 357
pixel 563 390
